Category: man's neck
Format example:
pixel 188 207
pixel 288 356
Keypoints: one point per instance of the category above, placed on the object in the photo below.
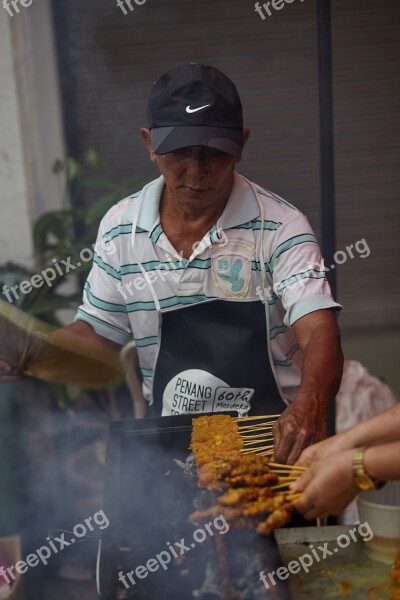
pixel 184 225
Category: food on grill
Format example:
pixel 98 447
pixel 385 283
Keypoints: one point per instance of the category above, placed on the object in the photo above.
pixel 242 495
pixel 230 514
pixel 242 484
pixel 264 506
pixel 278 518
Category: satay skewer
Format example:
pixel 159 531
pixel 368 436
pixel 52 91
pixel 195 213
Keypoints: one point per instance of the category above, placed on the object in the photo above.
pixel 283 484
pixel 257 444
pixel 256 436
pixel 254 418
pixel 279 472
pixel 282 466
pixel 256 427
pixel 251 450
pixel 292 497
pixel 220 447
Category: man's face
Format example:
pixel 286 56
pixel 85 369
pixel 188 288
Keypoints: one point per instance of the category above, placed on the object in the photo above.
pixel 195 174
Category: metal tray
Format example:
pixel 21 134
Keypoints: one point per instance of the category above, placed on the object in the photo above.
pixel 347 573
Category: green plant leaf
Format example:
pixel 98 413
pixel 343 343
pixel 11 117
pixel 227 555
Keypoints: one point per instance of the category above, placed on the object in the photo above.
pixel 92 158
pixel 73 169
pixel 57 166
pixel 52 229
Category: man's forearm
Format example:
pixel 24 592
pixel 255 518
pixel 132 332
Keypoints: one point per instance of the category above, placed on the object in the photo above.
pixel 322 366
pixel 87 336
pixel 76 355
pixel 304 421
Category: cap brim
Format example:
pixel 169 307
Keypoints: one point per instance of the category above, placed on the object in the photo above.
pixel 168 139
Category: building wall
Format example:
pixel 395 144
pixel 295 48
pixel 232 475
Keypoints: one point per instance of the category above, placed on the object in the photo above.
pixel 31 127
pixel 15 232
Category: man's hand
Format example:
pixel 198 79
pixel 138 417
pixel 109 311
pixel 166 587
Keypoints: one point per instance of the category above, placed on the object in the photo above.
pixel 8 373
pixel 301 424
pixel 327 486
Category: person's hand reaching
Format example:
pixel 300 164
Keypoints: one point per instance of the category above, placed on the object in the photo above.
pixel 327 486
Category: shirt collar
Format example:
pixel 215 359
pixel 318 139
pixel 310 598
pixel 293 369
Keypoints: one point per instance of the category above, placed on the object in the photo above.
pixel 242 205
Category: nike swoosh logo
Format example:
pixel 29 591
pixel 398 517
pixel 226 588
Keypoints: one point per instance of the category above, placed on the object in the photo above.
pixel 193 110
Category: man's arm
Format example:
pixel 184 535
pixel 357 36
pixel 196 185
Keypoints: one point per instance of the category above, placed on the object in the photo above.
pixel 76 354
pixel 87 336
pixel 72 354
pixel 304 421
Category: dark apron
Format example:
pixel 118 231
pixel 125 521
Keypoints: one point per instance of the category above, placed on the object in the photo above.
pixel 228 340
pixel 214 357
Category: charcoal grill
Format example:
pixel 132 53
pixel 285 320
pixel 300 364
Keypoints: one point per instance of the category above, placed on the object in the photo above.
pixel 147 502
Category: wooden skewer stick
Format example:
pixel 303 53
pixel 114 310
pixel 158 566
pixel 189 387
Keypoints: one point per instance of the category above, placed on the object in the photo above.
pixel 248 433
pixel 283 483
pixel 258 442
pixel 267 451
pixel 258 451
pixel 280 471
pixel 293 497
pixel 250 430
pixel 250 423
pixel 264 417
pixel 259 431
pixel 280 486
pixel 292 467
pixel 256 426
pixel 254 430
pixel 254 436
pixel 258 445
pixel 268 423
pixel 250 450
pixel 269 439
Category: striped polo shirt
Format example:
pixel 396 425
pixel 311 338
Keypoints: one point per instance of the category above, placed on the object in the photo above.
pixel 261 249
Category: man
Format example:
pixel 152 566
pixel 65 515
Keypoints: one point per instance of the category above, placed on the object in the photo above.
pixel 213 276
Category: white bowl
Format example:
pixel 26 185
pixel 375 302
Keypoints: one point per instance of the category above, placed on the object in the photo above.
pixel 381 510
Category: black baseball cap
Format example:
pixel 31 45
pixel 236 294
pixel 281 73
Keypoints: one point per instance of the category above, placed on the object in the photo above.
pixel 195 105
